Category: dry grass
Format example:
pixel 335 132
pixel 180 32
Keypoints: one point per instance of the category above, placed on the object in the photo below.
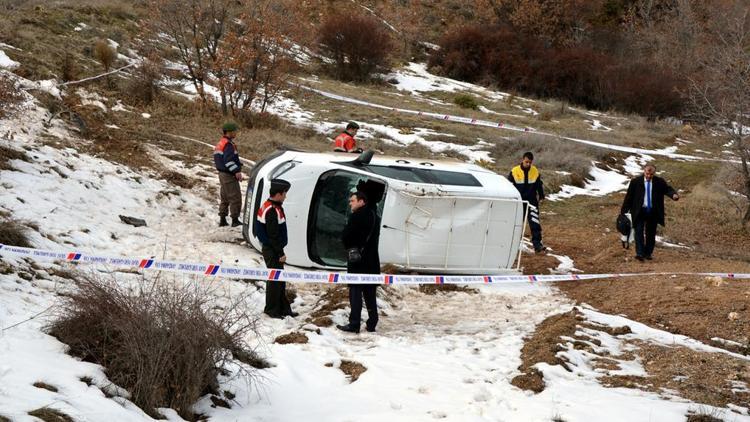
pixel 8 154
pixel 45 386
pixel 292 338
pixel 352 369
pixel 50 415
pixel 163 341
pixel 10 97
pixel 13 232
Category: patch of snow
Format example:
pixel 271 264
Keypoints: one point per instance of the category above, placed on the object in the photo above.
pixel 113 44
pixel 682 141
pixel 597 125
pixel 727 342
pixel 91 98
pixel 80 27
pixel 601 183
pixel 119 106
pixel 430 45
pixel 111 126
pixel 146 115
pixel 566 265
pixel 484 109
pixel 6 62
pixel 644 332
pixel 661 242
pixel 4 45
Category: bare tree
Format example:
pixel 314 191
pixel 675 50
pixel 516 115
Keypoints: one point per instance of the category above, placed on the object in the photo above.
pixel 196 28
pixel 721 93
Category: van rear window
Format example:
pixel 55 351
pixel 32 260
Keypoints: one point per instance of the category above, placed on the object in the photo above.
pixel 423 175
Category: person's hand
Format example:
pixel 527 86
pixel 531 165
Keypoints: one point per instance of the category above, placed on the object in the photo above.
pixel 676 196
pixel 282 259
pixel 238 176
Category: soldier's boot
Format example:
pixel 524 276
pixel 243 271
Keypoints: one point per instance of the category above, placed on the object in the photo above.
pixel 236 222
pixel 223 221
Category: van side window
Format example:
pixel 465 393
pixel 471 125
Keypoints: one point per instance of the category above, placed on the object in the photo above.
pixel 424 175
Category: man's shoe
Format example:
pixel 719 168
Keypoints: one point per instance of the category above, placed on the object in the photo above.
pixel 223 222
pixel 348 328
pixel 649 257
pixel 236 222
pixel 370 330
pixel 293 314
pixel 540 249
pixel 638 257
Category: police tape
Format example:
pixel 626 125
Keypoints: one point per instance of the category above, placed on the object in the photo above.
pixel 251 273
pixel 506 126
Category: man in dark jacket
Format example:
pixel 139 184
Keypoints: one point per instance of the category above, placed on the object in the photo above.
pixel 526 178
pixel 361 232
pixel 227 162
pixel 645 202
pixel 270 226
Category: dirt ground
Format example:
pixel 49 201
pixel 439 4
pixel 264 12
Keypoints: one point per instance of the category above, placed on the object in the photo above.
pixel 713 310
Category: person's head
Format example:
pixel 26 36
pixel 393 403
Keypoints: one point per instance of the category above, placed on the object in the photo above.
pixel 527 159
pixel 357 200
pixel 649 171
pixel 279 188
pixel 352 128
pixel 230 129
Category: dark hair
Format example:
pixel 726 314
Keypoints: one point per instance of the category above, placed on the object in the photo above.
pixel 352 125
pixel 360 196
pixel 279 186
pixel 529 155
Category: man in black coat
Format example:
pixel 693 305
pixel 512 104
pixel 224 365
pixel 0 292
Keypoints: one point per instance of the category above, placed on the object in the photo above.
pixel 362 233
pixel 645 202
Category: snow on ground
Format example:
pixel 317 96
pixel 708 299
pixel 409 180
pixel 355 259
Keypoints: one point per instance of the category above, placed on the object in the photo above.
pixel 597 125
pixel 600 183
pixel 416 79
pixel 6 62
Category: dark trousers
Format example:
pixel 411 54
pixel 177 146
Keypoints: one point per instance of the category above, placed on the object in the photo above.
pixel 535 225
pixel 277 305
pixel 645 233
pixel 369 292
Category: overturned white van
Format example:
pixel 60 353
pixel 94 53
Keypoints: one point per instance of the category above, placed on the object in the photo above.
pixel 436 216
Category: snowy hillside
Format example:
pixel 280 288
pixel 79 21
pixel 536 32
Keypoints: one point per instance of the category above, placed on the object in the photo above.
pixel 449 356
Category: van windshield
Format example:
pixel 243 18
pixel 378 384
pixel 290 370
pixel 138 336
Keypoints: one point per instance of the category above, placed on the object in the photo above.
pixel 424 175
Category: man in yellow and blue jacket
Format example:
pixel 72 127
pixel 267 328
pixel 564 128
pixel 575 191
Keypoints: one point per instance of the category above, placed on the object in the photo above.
pixel 526 178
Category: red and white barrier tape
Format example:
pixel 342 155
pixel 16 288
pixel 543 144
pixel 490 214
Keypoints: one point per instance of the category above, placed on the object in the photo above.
pixel 250 273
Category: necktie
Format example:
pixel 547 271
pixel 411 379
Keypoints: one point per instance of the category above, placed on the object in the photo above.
pixel 648 196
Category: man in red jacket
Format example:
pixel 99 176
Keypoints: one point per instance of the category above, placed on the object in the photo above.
pixel 345 142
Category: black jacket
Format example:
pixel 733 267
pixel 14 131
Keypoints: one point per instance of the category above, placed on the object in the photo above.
pixel 362 224
pixel 637 190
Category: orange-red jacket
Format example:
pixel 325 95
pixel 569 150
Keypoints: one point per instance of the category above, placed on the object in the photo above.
pixel 226 157
pixel 344 143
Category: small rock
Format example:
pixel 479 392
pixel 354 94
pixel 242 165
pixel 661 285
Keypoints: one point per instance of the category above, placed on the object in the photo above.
pixel 733 316
pixel 136 222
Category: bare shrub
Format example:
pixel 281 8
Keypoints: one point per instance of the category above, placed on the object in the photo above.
pixel 69 70
pixel 14 233
pixel 105 54
pixel 143 87
pixel 466 101
pixel 357 43
pixel 165 341
pixel 10 97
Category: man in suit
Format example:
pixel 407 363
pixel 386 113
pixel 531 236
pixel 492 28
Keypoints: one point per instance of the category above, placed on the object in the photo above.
pixel 362 232
pixel 645 202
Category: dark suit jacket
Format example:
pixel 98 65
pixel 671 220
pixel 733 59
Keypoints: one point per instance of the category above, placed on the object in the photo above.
pixel 637 190
pixel 363 231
